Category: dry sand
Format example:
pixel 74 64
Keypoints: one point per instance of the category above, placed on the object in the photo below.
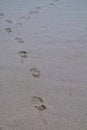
pixel 43 65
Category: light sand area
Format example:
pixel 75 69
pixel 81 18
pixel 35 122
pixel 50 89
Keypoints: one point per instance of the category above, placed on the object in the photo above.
pixel 43 65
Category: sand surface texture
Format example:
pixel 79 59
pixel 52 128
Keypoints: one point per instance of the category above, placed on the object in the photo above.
pixel 43 65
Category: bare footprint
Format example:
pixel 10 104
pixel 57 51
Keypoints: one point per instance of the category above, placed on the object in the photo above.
pixel 18 39
pixel 22 17
pixel 28 17
pixel 8 30
pixel 23 54
pixel 44 26
pixel 38 7
pixel 35 72
pixel 37 100
pixel 56 0
pixel 34 12
pixel 36 33
pixel 18 24
pixel 8 21
pixel 41 107
pixel 1 14
pixel 51 3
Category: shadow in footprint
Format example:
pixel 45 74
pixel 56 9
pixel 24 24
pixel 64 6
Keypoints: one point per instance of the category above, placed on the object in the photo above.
pixel 19 24
pixel 41 107
pixel 8 30
pixel 28 17
pixel 22 17
pixel 51 3
pixel 1 14
pixel 23 55
pixel 34 12
pixel 56 0
pixel 37 100
pixel 8 21
pixel 35 72
pixel 18 39
pixel 38 8
pixel 36 33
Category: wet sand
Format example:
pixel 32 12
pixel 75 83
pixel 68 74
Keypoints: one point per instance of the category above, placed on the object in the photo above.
pixel 43 65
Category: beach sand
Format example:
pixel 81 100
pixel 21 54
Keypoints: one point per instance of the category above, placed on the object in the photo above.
pixel 43 65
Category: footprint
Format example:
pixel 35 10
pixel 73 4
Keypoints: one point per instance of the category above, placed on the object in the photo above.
pixel 43 26
pixel 8 30
pixel 19 24
pixel 28 17
pixel 51 3
pixel 18 39
pixel 33 12
pixel 36 33
pixel 38 7
pixel 22 17
pixel 37 100
pixel 23 54
pixel 1 14
pixel 35 72
pixel 56 0
pixel 8 21
pixel 41 107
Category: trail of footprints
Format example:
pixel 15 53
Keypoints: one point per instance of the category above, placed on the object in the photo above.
pixel 30 13
pixel 36 101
